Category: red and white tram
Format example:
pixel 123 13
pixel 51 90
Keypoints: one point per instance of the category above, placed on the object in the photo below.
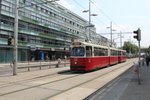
pixel 87 56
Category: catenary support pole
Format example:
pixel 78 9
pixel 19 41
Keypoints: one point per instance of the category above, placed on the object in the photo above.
pixel 15 47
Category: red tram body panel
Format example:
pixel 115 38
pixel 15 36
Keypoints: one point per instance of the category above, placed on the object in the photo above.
pixel 88 63
pixel 122 59
pixel 114 60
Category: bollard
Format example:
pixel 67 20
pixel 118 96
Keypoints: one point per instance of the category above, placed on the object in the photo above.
pixel 40 65
pixel 137 70
pixel 136 67
pixel 28 66
pixel 65 61
pixel 49 64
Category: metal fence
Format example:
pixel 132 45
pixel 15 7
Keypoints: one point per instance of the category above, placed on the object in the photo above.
pixel 32 65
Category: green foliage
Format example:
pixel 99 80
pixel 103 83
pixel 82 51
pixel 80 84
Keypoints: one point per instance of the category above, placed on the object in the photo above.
pixel 129 47
pixel 148 49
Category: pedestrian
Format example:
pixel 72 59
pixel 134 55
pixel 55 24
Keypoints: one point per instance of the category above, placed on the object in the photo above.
pixel 65 60
pixel 32 58
pixel 58 63
pixel 147 60
pixel 47 57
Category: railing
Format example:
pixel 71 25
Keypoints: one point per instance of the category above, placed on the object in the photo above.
pixel 30 65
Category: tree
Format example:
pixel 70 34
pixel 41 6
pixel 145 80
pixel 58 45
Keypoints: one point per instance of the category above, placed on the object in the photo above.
pixel 130 48
pixel 148 51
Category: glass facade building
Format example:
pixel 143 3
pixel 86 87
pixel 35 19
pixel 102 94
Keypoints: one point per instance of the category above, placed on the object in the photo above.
pixel 45 29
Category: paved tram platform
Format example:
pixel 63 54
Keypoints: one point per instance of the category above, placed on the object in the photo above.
pixel 126 87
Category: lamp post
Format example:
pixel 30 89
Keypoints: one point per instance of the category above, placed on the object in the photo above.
pixel 89 18
pixel 121 39
pixel 15 47
pixel 111 30
pixel 89 11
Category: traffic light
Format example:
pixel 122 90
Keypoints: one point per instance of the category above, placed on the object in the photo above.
pixel 138 34
pixel 10 41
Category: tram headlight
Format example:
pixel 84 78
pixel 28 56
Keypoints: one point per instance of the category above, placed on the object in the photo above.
pixel 75 62
pixel 89 60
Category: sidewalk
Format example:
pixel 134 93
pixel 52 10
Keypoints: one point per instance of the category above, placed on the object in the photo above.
pixel 135 91
pixel 8 77
pixel 126 87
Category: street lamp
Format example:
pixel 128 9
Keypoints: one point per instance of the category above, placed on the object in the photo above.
pixel 85 11
pixel 111 30
pixel 15 47
pixel 119 37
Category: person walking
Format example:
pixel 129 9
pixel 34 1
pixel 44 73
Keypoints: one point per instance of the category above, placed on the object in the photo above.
pixel 147 60
pixel 58 63
pixel 47 57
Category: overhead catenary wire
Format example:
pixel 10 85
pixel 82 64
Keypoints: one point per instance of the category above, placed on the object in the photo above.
pixel 102 12
pixel 105 17
pixel 98 20
pixel 109 18
pixel 122 27
pixel 81 6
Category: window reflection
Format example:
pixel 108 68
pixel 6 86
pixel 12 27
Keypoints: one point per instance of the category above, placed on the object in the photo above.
pixel 78 51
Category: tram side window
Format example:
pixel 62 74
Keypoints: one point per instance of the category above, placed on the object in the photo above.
pixel 88 51
pixel 105 52
pixel 100 52
pixel 114 53
pixel 124 53
pixel 96 51
pixel 119 53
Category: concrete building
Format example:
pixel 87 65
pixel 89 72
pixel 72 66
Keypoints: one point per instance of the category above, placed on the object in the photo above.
pixel 45 30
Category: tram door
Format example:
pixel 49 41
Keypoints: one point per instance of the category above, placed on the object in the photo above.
pixel 88 51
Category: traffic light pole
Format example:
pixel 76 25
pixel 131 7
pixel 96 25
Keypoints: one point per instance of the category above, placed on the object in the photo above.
pixel 138 37
pixel 139 70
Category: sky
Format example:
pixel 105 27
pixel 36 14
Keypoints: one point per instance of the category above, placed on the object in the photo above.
pixel 126 16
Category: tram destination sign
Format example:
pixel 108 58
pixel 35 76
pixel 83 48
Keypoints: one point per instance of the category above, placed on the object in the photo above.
pixel 77 43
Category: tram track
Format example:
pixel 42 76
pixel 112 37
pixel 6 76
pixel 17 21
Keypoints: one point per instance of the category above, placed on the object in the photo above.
pixel 99 76
pixel 35 77
pixel 63 79
pixel 24 81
